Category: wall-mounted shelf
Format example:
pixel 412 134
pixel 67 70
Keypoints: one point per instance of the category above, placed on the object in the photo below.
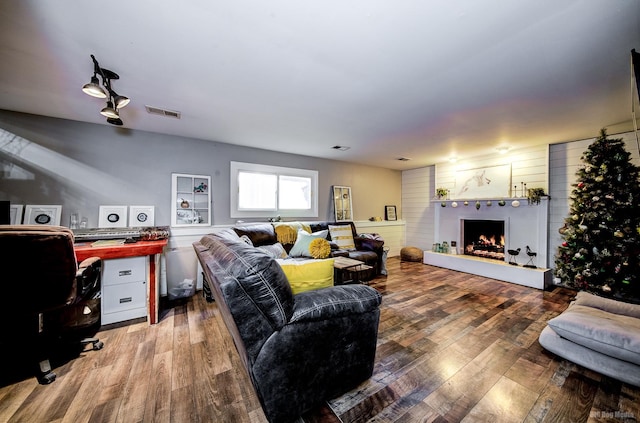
pixel 190 200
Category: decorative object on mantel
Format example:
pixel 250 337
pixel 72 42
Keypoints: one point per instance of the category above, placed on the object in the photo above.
pixel 441 193
pixel 530 264
pixel 489 203
pixel 466 203
pixel 454 204
pixel 443 204
pixel 515 203
pixel 502 203
pixel 512 256
pixel 376 219
pixel 477 205
pixel 534 195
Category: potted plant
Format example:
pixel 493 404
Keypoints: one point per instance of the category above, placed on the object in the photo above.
pixel 441 193
pixel 534 195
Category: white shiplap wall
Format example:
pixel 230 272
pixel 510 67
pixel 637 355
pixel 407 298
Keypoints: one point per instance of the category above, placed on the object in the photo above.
pixel 565 160
pixel 528 165
pixel 418 186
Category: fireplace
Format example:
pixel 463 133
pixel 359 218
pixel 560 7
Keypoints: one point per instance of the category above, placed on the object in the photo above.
pixel 483 238
pixel 521 226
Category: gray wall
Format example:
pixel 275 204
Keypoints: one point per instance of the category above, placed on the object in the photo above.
pixel 82 166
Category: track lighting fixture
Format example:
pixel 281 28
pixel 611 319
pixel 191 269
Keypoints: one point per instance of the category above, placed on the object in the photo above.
pixel 114 100
pixel 109 111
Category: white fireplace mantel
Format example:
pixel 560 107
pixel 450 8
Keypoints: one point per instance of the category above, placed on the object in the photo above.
pixel 525 225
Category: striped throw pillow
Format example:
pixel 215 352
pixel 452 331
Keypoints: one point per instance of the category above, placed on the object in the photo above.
pixel 342 236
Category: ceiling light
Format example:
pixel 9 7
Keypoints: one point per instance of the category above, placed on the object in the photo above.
pixel 403 159
pixel 453 159
pixel 94 89
pixel 109 111
pixel 115 121
pixel 502 150
pixel 120 101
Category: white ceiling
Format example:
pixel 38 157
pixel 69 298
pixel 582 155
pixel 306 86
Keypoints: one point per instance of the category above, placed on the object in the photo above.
pixel 422 79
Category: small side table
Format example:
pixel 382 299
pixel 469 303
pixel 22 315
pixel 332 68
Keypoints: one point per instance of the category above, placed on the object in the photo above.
pixel 348 270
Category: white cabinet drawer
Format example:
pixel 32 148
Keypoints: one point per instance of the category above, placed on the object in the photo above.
pixel 124 270
pixel 122 297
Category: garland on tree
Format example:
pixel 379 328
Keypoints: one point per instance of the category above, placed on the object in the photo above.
pixel 601 236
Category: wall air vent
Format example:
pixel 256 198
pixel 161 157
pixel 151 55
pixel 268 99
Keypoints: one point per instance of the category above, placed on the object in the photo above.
pixel 162 112
pixel 340 147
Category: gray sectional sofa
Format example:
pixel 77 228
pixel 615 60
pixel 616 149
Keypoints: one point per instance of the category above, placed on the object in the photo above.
pixel 600 334
pixel 298 350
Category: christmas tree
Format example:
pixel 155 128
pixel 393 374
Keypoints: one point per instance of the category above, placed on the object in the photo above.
pixel 601 235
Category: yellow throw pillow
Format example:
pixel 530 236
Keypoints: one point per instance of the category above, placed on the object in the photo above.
pixel 307 275
pixel 301 247
pixel 319 248
pixel 342 236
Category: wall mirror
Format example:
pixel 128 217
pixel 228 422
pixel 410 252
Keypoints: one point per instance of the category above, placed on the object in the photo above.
pixel 342 203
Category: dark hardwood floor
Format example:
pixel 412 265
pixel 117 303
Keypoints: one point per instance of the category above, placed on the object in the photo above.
pixel 452 347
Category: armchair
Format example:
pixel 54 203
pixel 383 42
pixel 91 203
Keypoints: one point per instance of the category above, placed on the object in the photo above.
pixel 299 350
pixel 48 296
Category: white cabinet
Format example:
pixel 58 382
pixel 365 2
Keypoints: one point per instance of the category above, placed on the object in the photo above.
pixel 190 200
pixel 124 289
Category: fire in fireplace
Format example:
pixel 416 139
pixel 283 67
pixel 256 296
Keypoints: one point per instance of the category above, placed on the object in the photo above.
pixel 484 238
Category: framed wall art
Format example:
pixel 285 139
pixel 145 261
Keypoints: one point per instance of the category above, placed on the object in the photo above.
pixel 390 213
pixel 42 215
pixel 15 214
pixel 141 216
pixel 483 182
pixel 112 217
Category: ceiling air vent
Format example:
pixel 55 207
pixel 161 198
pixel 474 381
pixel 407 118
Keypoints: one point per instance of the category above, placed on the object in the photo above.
pixel 403 159
pixel 162 112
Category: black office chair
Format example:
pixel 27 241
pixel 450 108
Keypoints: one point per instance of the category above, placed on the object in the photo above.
pixel 48 300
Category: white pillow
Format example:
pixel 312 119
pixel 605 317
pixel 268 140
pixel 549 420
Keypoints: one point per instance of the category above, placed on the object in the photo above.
pixel 342 236
pixel 301 247
pixel 276 250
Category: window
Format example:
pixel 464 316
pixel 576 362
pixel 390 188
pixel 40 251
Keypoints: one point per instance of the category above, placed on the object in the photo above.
pixel 269 191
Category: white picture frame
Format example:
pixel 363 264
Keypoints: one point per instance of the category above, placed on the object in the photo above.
pixel 141 216
pixel 342 204
pixel 37 214
pixel 484 182
pixel 15 214
pixel 112 217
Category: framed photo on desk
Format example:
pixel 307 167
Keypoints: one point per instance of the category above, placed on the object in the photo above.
pixel 390 213
pixel 42 215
